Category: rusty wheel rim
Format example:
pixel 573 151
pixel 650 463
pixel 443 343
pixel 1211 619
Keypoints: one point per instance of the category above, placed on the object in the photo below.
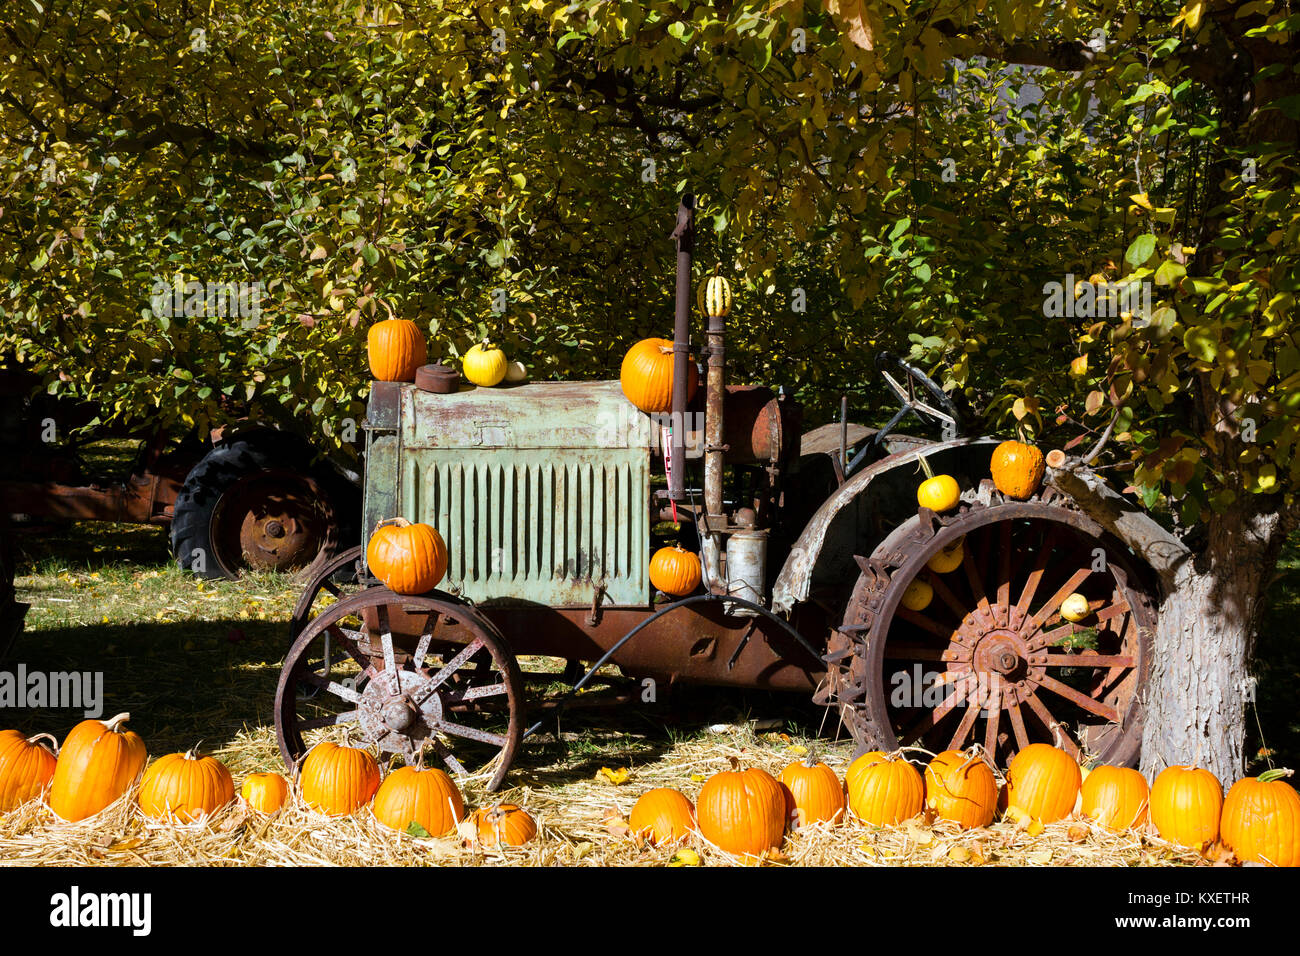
pixel 991 661
pixel 271 521
pixel 454 688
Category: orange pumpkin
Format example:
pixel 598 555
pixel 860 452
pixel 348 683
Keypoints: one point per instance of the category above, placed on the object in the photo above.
pixel 409 558
pixel 395 349
pixel 1115 797
pixel 884 790
pixel 860 764
pixel 1043 781
pixel 26 766
pixel 185 786
pixel 1185 805
pixel 504 824
pixel 647 376
pixel 961 787
pixel 675 571
pixel 99 762
pixel 338 781
pixel 813 794
pixel 1261 820
pixel 742 811
pixel 427 797
pixel 265 792
pixel 662 816
pixel 1017 469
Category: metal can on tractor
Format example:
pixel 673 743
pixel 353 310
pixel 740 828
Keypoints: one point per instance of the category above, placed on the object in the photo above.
pixel 808 543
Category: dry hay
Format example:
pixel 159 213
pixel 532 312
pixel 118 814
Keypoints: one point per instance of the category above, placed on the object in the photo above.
pixel 579 820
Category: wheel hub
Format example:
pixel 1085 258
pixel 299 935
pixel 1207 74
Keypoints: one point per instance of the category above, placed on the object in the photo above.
pixel 998 642
pixel 271 521
pixel 399 709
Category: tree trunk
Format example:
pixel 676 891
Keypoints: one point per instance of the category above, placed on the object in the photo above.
pixel 1200 683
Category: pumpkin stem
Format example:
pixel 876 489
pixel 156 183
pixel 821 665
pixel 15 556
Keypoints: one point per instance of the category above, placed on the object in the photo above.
pixel 54 742
pixel 114 723
pixel 735 763
pixel 1277 773
pixel 193 752
pixel 398 522
pixel 925 467
pixel 1055 458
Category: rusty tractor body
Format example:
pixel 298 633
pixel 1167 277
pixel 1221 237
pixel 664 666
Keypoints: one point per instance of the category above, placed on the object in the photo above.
pixel 548 495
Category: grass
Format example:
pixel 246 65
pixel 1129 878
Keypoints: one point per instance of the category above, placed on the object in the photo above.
pixel 195 660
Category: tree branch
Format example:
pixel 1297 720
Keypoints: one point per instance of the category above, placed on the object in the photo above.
pixel 1124 519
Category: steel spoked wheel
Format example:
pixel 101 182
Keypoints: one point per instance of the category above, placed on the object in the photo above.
pixel 337 579
pixel 990 659
pixel 404 674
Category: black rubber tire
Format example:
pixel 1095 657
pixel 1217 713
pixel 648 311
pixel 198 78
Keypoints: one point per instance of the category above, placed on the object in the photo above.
pixel 11 611
pixel 247 454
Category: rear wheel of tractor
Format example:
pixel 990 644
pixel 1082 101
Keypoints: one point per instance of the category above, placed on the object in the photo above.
pixel 250 504
pixel 990 659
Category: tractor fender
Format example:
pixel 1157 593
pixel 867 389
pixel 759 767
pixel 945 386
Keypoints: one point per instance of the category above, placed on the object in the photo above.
pixel 863 510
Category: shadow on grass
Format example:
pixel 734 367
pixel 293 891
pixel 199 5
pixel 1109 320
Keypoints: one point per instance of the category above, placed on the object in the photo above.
pixel 209 680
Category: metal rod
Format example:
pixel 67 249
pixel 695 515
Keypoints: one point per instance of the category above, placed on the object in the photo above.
pixel 685 236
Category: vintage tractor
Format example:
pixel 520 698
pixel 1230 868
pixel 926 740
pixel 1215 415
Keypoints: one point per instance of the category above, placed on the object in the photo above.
pixel 544 494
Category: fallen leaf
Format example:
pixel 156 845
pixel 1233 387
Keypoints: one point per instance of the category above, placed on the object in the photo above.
pixel 1040 856
pixel 616 777
pixel 582 849
pixel 1035 827
pixel 121 846
pixel 698 778
pixel 684 857
pixel 1077 833
pixel 798 749
pixel 959 854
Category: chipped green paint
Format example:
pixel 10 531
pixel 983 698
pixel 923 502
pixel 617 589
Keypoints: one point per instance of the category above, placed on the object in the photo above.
pixel 541 491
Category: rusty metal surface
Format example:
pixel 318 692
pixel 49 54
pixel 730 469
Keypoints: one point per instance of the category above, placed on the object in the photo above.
pixel 863 509
pixel 694 644
pixel 756 426
pixel 999 659
pixel 141 499
pixel 825 440
pixel 684 236
pixel 272 521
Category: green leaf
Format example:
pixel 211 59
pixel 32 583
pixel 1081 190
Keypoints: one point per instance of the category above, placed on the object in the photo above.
pixel 1201 342
pixel 416 830
pixel 370 254
pixel 1139 251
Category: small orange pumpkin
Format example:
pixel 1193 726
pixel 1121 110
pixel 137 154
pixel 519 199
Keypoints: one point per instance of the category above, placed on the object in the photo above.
pixel 99 762
pixel 409 558
pixel 265 792
pixel 884 790
pixel 1115 797
pixel 813 794
pixel 504 824
pixel 427 797
pixel 1043 781
pixel 961 787
pixel 647 376
pixel 1185 805
pixel 675 571
pixel 185 786
pixel 1017 469
pixel 338 781
pixel 1261 820
pixel 742 811
pixel 662 816
pixel 395 349
pixel 26 767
